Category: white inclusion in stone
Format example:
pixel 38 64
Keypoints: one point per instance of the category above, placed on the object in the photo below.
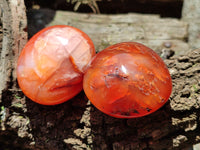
pixel 64 41
pixel 124 69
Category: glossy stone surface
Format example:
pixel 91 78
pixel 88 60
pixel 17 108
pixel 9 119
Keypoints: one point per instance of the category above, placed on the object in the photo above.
pixel 51 65
pixel 127 80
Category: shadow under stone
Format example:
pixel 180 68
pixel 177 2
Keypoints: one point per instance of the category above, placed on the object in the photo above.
pixel 138 133
pixel 52 124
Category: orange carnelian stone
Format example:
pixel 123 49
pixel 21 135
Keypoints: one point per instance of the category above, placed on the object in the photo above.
pixel 127 80
pixel 51 65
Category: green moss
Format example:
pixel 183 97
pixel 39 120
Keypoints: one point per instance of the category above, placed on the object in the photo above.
pixel 2 108
pixel 18 105
pixel 195 88
pixel 105 43
pixel 17 97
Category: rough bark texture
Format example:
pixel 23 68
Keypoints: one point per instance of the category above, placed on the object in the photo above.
pixel 12 39
pixel 76 124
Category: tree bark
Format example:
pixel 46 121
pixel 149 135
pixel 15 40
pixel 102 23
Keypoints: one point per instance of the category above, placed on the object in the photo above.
pixel 76 124
pixel 12 39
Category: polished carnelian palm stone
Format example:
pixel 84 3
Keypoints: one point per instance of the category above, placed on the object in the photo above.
pixel 51 65
pixel 127 80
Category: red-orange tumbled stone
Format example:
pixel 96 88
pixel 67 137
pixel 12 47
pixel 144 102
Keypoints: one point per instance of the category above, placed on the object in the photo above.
pixel 51 65
pixel 127 80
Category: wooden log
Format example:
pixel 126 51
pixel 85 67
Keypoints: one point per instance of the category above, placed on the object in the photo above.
pixel 150 30
pixel 12 39
pixel 76 124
